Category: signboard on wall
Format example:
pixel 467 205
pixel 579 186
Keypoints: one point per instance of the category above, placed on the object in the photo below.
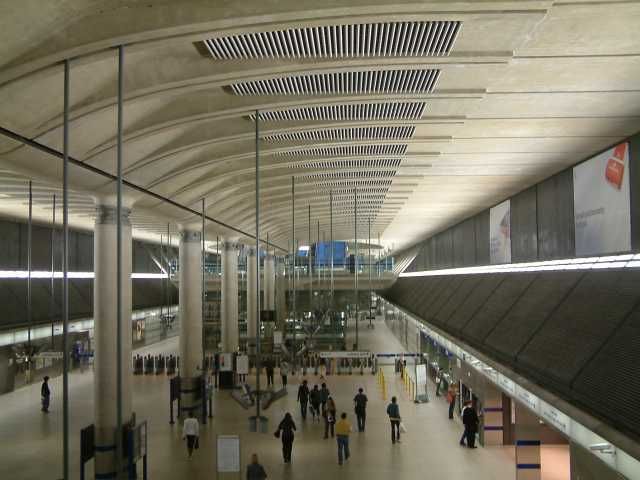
pixel 601 203
pixel 500 233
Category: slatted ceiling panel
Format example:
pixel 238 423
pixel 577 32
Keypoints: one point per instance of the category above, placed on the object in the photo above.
pixel 346 151
pixel 350 163
pixel 610 382
pixel 525 317
pixel 369 82
pixel 389 39
pixel 497 305
pixel 346 174
pixel 341 134
pixel 580 325
pixel 346 112
pixel 350 184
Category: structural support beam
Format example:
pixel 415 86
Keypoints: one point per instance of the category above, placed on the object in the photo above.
pixel 190 301
pixel 229 298
pixel 111 342
pixel 252 313
pixel 528 465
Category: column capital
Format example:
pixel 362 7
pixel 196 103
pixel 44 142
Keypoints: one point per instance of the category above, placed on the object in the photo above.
pixel 108 215
pixel 229 246
pixel 189 236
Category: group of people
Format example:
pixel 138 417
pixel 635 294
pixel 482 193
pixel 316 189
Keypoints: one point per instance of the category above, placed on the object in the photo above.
pixel 470 418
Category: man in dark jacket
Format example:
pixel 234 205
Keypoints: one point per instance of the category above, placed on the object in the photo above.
pixel 360 401
pixel 303 398
pixel 45 393
pixel 393 410
pixel 269 367
pixel 255 471
pixel 470 420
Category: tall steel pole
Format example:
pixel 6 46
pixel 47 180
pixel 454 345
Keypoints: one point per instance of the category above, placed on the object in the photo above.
pixel 259 323
pixel 119 326
pixel 310 275
pixel 369 264
pixel 295 252
pixel 316 252
pixel 65 277
pixel 204 300
pixel 355 260
pixel 29 245
pixel 331 243
pixel 52 303
pixel 379 256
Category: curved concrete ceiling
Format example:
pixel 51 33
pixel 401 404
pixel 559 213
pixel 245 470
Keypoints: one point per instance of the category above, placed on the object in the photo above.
pixel 432 110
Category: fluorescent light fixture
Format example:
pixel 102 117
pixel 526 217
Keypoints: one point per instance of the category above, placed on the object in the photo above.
pixel 304 248
pixel 24 274
pixel 628 260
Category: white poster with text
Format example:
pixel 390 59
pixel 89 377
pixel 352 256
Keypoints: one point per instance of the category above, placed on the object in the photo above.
pixel 601 203
pixel 500 233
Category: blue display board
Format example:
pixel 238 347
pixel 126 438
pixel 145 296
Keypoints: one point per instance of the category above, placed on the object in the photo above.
pixel 323 254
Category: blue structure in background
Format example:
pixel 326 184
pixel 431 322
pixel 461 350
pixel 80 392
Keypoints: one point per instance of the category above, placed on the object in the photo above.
pixel 323 254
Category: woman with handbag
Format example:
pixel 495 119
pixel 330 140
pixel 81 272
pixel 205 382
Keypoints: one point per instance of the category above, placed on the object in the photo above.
pixel 285 432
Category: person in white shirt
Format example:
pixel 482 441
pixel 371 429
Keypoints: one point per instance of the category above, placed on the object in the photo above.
pixel 191 432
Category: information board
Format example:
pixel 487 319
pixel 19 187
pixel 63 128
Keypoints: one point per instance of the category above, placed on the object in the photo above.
pixel 242 365
pixel 228 454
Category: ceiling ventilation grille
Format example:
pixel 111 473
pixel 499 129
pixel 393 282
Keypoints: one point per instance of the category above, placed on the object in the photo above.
pixel 347 174
pixel 355 163
pixel 376 190
pixel 345 184
pixel 420 81
pixel 349 133
pixel 348 111
pixel 347 151
pixel 391 39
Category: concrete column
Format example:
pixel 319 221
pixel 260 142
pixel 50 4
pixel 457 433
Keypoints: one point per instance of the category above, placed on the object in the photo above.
pixel 492 418
pixel 105 335
pixel 190 300
pixel 252 320
pixel 229 292
pixel 527 444
pixel 282 287
pixel 269 282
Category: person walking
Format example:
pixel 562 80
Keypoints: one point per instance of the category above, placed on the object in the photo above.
pixel 303 398
pixel 285 432
pixel 393 410
pixel 314 398
pixel 284 371
pixel 255 471
pixel 329 418
pixel 191 433
pixel 324 396
pixel 463 438
pixel 269 368
pixel 45 394
pixel 451 399
pixel 470 420
pixel 360 401
pixel 343 429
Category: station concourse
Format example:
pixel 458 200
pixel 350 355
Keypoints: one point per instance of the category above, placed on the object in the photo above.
pixel 204 204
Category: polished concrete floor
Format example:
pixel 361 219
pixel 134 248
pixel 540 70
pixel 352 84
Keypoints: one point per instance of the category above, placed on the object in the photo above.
pixel 32 440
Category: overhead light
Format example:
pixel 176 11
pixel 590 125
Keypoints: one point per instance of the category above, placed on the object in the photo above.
pixel 587 263
pixel 24 274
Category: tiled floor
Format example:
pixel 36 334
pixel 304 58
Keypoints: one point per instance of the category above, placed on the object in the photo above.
pixel 31 441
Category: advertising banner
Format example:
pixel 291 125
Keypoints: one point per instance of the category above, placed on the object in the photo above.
pixel 601 203
pixel 500 233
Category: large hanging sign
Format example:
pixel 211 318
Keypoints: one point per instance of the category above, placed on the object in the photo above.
pixel 601 203
pixel 500 233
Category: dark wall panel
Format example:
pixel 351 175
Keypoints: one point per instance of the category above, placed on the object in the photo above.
pixel 575 331
pixel 464 244
pixel 556 229
pixel 10 243
pixel 474 300
pixel 612 374
pixel 482 238
pixel 525 317
pixel 634 182
pixel 446 287
pixel 497 305
pixel 524 227
pixel 444 249
pixel 469 283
